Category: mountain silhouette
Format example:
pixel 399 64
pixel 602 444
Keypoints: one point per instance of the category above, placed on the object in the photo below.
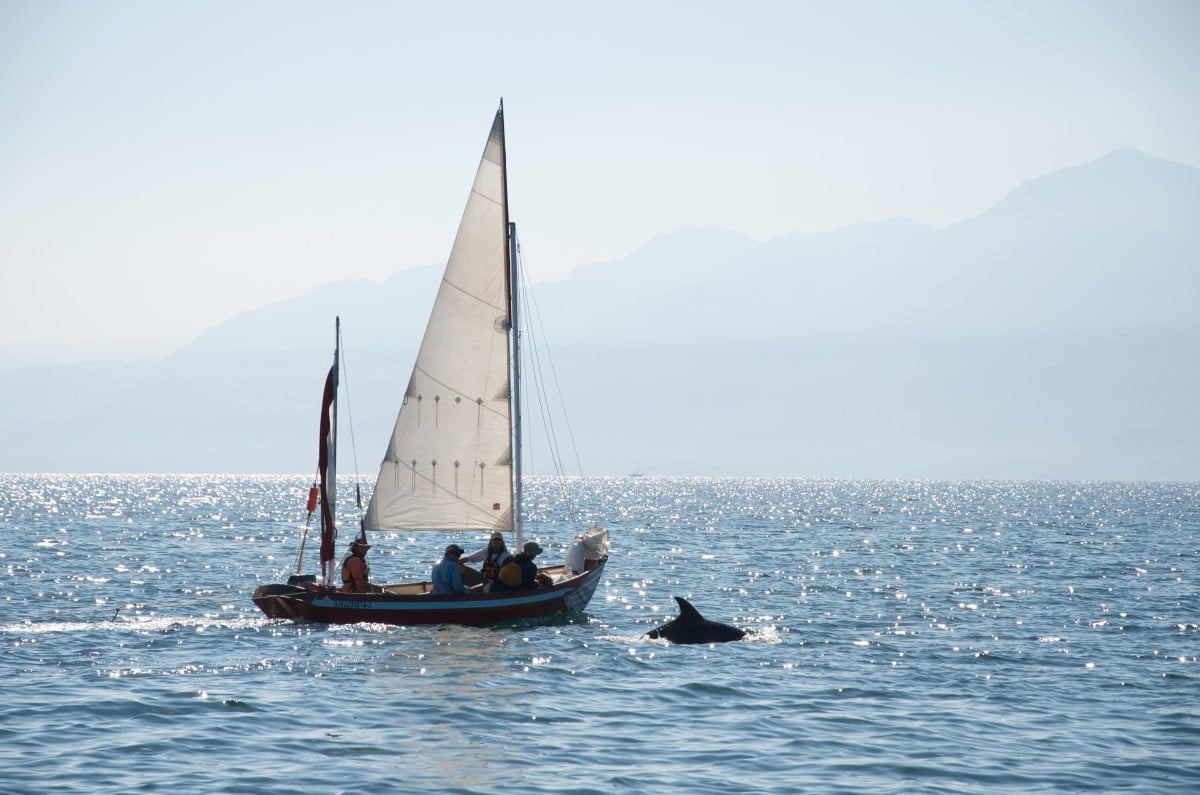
pixel 1054 336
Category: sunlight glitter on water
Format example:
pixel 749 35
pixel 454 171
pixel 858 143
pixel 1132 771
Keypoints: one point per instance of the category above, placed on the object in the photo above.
pixel 1076 613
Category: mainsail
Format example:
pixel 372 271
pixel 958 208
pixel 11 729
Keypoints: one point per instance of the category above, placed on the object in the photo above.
pixel 448 465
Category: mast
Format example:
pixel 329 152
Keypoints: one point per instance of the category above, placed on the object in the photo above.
pixel 514 334
pixel 333 424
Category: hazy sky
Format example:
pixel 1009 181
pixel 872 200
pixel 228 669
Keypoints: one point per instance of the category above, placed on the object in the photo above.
pixel 165 165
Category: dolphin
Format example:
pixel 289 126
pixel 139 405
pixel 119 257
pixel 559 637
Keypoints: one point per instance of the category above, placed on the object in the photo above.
pixel 691 627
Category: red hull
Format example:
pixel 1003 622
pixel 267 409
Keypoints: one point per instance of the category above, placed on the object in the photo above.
pixel 331 607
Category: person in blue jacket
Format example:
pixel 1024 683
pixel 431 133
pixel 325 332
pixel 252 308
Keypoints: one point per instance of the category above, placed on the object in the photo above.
pixel 446 577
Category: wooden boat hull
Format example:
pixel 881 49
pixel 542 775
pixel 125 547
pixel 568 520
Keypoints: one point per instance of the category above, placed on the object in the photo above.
pixel 411 604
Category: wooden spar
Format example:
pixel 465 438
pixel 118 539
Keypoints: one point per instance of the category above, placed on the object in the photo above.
pixel 312 506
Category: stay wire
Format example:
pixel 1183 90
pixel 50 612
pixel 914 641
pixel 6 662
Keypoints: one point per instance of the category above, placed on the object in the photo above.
pixel 350 421
pixel 537 379
pixel 547 416
pixel 531 301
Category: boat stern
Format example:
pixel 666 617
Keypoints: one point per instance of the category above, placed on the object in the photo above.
pixel 280 601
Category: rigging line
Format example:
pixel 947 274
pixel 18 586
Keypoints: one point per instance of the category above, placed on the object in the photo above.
pixel 531 384
pixel 532 301
pixel 566 416
pixel 546 414
pixel 539 380
pixel 350 421
pixel 547 409
pixel 551 423
pixel 559 469
pixel 534 360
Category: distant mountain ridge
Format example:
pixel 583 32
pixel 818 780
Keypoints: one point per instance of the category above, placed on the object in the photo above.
pixel 1055 335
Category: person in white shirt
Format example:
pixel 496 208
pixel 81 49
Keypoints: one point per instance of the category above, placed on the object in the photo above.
pixel 493 556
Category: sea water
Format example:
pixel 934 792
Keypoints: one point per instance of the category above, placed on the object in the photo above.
pixel 903 637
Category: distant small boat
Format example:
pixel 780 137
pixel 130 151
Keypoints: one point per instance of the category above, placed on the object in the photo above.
pixel 453 463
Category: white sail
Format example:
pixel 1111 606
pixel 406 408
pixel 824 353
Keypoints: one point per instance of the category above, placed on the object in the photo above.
pixel 448 465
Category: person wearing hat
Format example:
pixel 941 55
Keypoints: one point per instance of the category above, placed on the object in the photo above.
pixel 446 577
pixel 356 574
pixel 520 574
pixel 493 556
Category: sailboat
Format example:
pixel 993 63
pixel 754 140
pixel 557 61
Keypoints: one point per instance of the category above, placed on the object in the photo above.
pixel 453 462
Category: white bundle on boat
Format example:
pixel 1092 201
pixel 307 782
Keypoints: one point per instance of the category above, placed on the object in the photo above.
pixel 591 545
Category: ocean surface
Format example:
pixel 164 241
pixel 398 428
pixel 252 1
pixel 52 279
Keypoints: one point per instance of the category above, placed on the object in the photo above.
pixel 904 637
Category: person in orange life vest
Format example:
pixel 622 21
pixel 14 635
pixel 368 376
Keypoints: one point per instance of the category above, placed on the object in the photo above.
pixel 494 555
pixel 356 574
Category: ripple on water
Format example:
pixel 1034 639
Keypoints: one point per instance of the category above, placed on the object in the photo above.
pixel 904 636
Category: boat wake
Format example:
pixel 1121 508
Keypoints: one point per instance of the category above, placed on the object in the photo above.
pixel 132 624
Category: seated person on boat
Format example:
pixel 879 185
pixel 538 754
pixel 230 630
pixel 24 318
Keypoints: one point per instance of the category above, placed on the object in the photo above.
pixel 521 573
pixel 356 574
pixel 446 577
pixel 493 556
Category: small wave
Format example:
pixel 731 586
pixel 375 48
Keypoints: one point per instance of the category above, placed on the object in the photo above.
pixel 135 624
pixel 763 634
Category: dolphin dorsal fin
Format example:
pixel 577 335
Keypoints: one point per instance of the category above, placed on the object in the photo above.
pixel 686 610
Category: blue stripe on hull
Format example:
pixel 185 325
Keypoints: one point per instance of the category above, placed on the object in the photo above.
pixel 281 601
pixel 433 603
